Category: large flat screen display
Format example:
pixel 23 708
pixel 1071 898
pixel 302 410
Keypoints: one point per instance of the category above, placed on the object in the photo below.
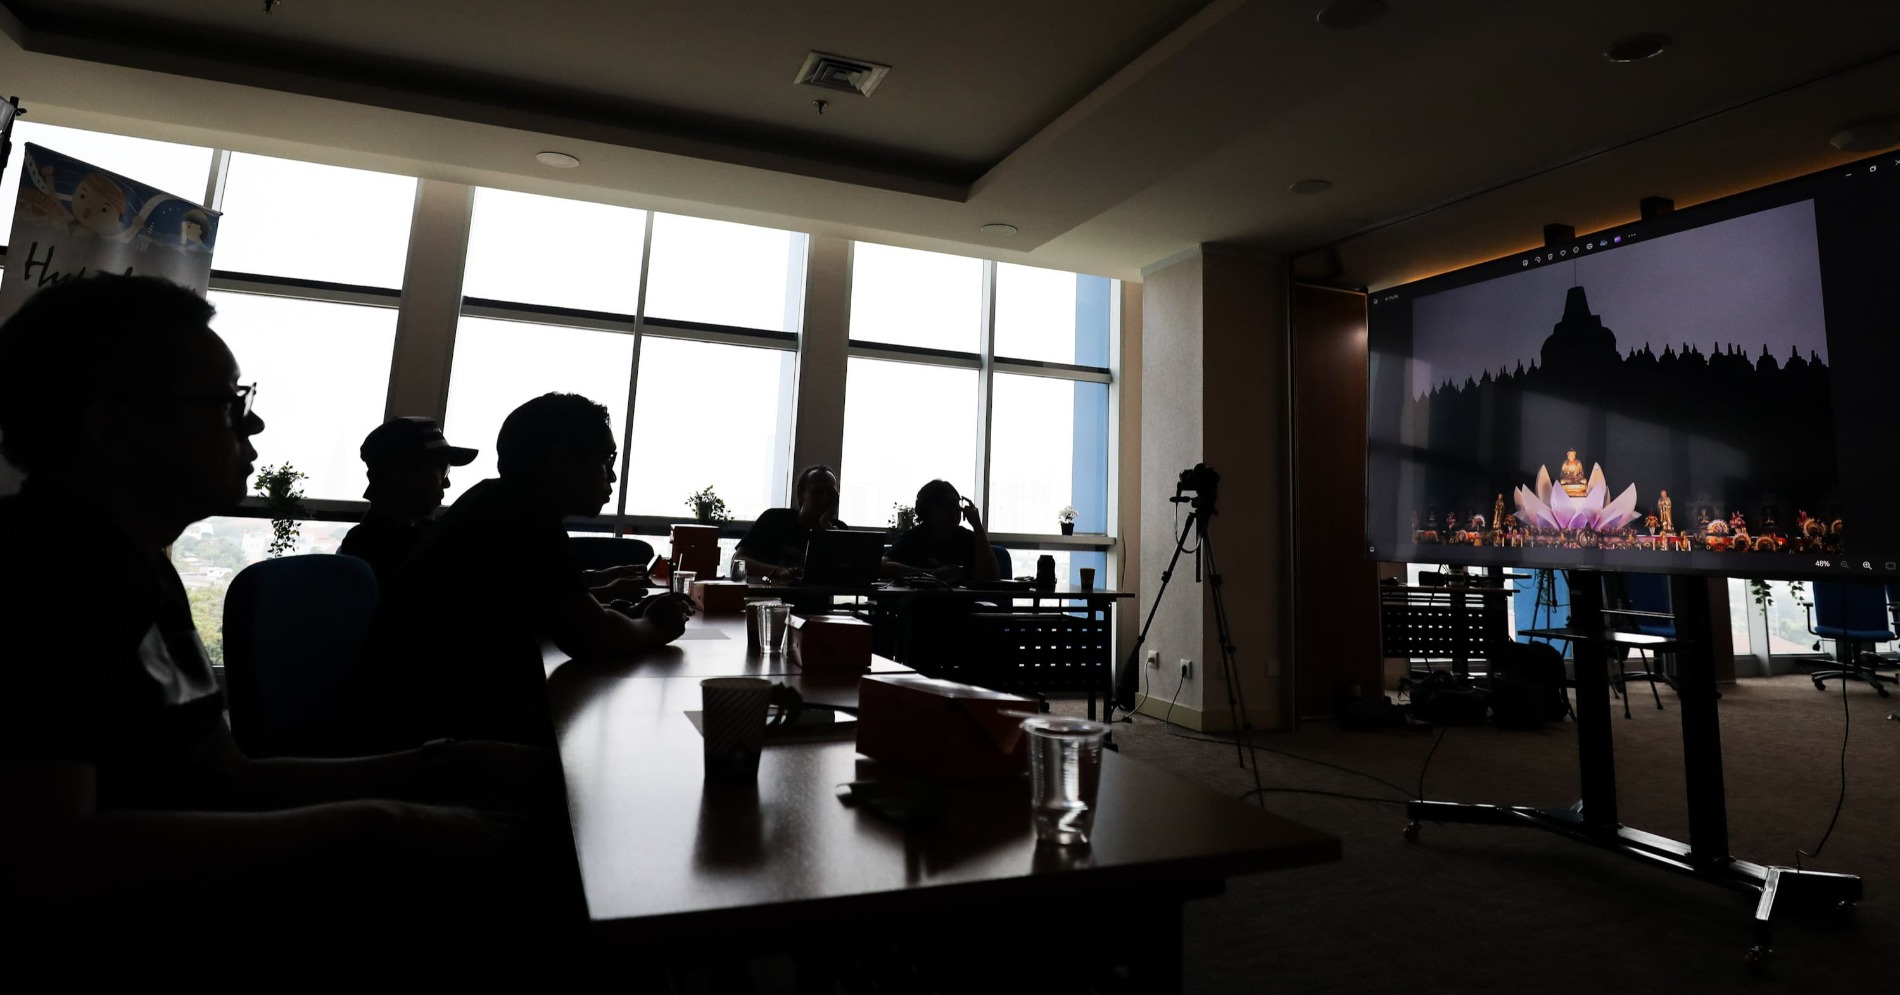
pixel 1715 390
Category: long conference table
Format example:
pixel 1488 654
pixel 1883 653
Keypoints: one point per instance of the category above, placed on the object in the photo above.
pixel 671 863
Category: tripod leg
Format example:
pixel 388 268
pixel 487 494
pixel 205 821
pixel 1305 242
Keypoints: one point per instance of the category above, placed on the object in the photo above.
pixel 1130 676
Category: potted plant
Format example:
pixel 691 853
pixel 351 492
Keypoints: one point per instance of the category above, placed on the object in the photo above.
pixel 1067 518
pixel 708 508
pixel 284 500
pixel 903 518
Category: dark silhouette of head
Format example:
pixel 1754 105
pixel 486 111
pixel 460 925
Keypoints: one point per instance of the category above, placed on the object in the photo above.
pixel 562 447
pixel 117 385
pixel 408 460
pixel 939 506
pixel 815 496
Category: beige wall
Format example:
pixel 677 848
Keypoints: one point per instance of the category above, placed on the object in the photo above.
pixel 1171 358
pixel 1213 385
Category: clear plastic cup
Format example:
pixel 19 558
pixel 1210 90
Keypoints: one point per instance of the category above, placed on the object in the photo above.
pixel 683 581
pixel 1065 768
pixel 768 625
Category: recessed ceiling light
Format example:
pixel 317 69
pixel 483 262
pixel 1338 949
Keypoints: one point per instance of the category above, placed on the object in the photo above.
pixel 1311 186
pixel 996 228
pixel 1636 48
pixel 559 160
pixel 1867 136
pixel 1345 15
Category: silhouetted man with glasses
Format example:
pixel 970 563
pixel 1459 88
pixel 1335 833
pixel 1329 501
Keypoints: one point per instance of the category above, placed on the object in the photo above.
pixel 130 816
pixel 457 648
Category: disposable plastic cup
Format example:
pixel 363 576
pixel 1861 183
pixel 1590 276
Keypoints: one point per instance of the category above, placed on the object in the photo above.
pixel 1065 769
pixel 768 625
pixel 683 581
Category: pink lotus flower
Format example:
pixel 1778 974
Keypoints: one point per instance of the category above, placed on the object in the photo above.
pixel 1554 508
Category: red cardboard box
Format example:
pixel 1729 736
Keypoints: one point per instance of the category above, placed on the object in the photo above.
pixel 719 597
pixel 828 642
pixel 939 729
pixel 697 549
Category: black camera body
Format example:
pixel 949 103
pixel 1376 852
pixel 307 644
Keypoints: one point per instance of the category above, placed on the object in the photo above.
pixel 1203 482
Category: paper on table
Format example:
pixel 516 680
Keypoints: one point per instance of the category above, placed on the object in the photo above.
pixel 812 725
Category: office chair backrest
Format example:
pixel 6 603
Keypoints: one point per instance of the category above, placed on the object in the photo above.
pixel 293 633
pixel 1002 562
pixel 1851 611
pixel 601 552
pixel 1647 592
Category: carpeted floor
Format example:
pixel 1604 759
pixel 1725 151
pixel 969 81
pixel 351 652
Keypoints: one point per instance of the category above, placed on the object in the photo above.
pixel 1475 908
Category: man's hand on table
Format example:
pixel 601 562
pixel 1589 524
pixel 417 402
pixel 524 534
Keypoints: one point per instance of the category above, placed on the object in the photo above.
pixel 668 614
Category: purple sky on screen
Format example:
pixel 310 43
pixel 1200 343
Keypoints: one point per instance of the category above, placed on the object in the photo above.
pixel 1752 281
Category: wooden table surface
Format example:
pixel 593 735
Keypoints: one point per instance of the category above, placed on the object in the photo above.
pixel 666 856
pixel 713 646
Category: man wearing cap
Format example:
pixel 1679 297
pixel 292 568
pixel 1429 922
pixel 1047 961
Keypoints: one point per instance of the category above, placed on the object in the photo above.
pixel 409 464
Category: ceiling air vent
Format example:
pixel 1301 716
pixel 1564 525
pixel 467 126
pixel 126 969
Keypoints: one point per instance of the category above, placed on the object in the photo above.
pixel 835 72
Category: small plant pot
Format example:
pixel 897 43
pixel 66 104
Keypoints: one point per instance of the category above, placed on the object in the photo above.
pixel 1068 528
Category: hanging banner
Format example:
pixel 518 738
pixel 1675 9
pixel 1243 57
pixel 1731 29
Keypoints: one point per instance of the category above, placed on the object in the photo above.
pixel 72 218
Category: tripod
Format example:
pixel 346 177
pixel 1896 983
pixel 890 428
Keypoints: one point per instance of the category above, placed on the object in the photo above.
pixel 1202 509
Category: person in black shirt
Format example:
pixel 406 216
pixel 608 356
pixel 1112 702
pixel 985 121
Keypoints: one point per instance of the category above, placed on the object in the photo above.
pixel 457 646
pixel 130 815
pixel 774 548
pixel 938 545
pixel 408 461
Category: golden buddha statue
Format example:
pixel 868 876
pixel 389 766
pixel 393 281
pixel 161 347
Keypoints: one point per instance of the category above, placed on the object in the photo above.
pixel 1570 475
pixel 1663 508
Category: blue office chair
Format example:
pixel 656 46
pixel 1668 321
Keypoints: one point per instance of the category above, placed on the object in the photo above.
pixel 1854 616
pixel 601 552
pixel 1002 562
pixel 293 633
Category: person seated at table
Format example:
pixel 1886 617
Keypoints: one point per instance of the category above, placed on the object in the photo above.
pixel 408 461
pixel 457 646
pixel 131 816
pixel 774 548
pixel 939 545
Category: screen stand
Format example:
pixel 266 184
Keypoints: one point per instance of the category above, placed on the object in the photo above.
pixel 1782 890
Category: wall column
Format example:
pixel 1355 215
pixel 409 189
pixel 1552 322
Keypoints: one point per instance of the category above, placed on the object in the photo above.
pixel 1214 386
pixel 823 356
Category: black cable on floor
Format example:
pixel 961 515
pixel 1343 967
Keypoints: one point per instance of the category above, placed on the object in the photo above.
pixel 1847 718
pixel 1428 760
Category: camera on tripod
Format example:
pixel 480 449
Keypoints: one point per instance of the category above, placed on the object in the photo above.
pixel 1203 481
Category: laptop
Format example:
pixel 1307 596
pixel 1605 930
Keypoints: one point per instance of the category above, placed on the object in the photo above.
pixel 843 558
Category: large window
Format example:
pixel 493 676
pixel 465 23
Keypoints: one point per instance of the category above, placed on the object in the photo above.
pixel 313 222
pixel 710 415
pixel 904 424
pixel 910 298
pixel 322 375
pixel 725 274
pixel 554 252
pixel 1021 427
pixel 500 364
pixel 709 362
